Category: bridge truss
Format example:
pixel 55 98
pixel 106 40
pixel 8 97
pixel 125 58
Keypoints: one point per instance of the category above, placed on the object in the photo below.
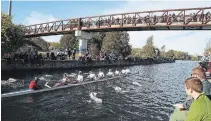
pixel 173 19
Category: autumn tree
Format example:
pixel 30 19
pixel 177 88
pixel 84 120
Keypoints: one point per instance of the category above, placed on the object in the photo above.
pixel 117 43
pixel 149 50
pixel 41 43
pixel 56 45
pixel 95 44
pixel 170 54
pixel 69 41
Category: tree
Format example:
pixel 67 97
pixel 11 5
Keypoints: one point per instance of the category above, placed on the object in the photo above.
pixel 170 54
pixel 117 43
pixel 163 49
pixel 95 44
pixel 136 52
pixel 157 52
pixel 97 38
pixel 55 45
pixel 41 43
pixel 208 46
pixel 149 50
pixel 150 41
pixel 69 41
pixel 12 36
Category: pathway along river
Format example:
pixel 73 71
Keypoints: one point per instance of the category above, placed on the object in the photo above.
pixel 147 97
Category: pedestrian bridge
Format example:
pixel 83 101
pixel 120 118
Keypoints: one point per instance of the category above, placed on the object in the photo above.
pixel 171 19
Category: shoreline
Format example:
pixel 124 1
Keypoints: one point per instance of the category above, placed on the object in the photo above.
pixel 19 65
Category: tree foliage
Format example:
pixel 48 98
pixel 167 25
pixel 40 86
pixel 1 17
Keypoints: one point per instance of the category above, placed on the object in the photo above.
pixel 137 52
pixel 95 44
pixel 12 36
pixel 208 46
pixel 170 54
pixel 69 41
pixel 117 43
pixel 149 50
pixel 41 43
pixel 56 45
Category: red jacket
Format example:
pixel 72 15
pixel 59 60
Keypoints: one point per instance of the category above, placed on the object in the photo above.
pixel 33 85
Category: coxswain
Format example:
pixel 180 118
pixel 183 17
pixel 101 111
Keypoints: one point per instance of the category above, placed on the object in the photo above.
pixel 33 84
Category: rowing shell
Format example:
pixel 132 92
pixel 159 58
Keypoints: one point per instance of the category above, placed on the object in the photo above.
pixel 26 92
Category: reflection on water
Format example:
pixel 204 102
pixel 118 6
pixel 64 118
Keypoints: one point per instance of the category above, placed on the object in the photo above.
pixel 148 96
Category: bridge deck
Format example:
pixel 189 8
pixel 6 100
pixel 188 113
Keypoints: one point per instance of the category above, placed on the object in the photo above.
pixel 174 19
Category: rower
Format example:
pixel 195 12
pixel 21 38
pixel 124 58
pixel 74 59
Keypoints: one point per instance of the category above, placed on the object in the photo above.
pixel 124 71
pixel 117 72
pixel 33 84
pixel 80 77
pixel 110 73
pixel 63 82
pixel 127 71
pixel 100 74
pixel 92 76
pixel 65 76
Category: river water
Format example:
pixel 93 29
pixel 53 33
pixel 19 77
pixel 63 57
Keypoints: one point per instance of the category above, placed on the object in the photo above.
pixel 148 96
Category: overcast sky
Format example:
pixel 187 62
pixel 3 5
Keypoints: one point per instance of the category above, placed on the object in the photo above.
pixel 193 42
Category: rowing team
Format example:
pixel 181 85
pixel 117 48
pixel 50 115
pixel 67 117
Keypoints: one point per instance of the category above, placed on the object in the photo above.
pixel 70 79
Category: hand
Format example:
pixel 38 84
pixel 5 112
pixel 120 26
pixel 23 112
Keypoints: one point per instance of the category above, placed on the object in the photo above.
pixel 180 106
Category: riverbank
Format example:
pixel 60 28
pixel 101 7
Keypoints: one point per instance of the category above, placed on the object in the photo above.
pixel 19 65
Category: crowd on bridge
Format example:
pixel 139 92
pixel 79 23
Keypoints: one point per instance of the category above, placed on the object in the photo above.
pixel 147 19
pixel 135 19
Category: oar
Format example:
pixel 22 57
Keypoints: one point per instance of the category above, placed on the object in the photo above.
pixel 46 85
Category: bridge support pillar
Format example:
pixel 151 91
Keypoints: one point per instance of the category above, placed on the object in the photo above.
pixel 83 40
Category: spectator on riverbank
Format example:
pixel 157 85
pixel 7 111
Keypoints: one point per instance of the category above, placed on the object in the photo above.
pixel 69 52
pixel 200 109
pixel 199 73
pixel 205 58
pixel 74 52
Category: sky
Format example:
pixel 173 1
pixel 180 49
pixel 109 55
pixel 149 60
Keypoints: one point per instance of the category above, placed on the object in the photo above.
pixel 34 12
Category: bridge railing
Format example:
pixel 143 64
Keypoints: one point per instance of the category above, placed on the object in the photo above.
pixel 150 19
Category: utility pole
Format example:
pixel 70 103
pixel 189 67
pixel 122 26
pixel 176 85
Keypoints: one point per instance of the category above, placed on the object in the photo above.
pixel 10 8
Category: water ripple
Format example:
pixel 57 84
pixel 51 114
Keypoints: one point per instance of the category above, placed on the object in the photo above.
pixel 148 96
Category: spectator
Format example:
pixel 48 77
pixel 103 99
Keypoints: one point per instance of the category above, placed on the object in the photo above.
pixel 200 109
pixel 74 52
pixel 69 52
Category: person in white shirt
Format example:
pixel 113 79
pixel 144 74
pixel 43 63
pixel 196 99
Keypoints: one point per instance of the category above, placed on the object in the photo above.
pixel 101 74
pixel 80 77
pixel 92 76
pixel 110 73
pixel 117 72
pixel 127 71
pixel 123 71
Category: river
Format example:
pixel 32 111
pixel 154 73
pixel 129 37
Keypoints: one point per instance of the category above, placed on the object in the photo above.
pixel 148 96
